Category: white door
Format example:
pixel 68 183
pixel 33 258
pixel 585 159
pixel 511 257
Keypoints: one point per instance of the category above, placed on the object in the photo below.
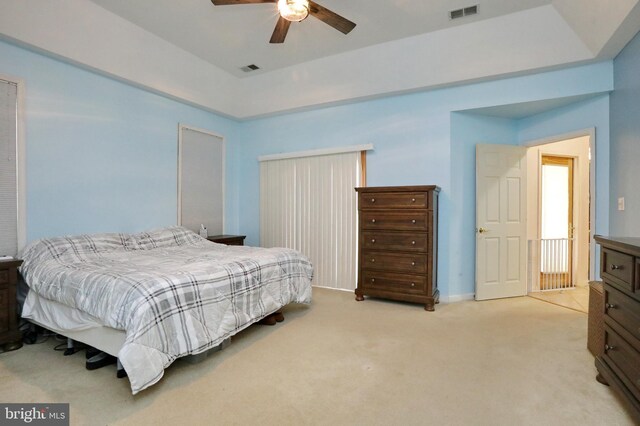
pixel 501 233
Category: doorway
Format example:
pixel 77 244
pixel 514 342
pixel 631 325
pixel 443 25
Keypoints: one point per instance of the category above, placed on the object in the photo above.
pixel 556 223
pixel 570 157
pixel 560 214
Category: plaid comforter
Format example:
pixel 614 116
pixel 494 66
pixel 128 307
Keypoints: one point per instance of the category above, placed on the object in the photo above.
pixel 173 292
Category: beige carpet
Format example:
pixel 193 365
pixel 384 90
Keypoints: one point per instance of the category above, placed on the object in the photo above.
pixel 339 362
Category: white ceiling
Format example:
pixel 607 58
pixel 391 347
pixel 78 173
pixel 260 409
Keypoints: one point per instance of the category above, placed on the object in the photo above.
pixel 231 37
pixel 191 50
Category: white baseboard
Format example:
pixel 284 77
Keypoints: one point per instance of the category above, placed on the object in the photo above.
pixel 333 288
pixel 457 298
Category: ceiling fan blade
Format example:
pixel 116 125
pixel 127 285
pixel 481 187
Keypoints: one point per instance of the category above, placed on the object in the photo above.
pixel 227 2
pixel 331 18
pixel 280 32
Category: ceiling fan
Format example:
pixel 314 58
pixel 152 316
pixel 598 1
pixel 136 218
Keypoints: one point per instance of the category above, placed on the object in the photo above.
pixel 296 11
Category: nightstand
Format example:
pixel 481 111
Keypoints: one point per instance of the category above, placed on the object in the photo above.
pixel 10 336
pixel 230 240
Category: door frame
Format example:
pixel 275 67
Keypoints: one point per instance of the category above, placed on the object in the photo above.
pixel 591 134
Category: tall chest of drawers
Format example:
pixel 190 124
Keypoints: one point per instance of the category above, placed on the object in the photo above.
pixel 619 366
pixel 397 257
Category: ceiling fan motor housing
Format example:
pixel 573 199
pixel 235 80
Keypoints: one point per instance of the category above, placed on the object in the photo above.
pixel 293 10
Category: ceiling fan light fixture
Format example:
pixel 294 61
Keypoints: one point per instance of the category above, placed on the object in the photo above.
pixel 293 10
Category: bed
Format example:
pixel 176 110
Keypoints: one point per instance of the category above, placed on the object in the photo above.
pixel 153 297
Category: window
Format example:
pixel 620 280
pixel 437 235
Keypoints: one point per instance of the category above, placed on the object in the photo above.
pixel 200 180
pixel 309 204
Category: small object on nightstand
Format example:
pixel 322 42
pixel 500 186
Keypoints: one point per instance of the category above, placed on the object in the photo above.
pixel 10 336
pixel 230 240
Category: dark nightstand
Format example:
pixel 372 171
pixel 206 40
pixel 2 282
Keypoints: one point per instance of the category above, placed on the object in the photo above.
pixel 230 240
pixel 10 336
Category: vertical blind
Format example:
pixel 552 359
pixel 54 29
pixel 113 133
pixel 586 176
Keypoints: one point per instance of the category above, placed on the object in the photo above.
pixel 309 204
pixel 8 169
pixel 201 181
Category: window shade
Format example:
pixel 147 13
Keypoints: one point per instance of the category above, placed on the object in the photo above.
pixel 8 169
pixel 309 204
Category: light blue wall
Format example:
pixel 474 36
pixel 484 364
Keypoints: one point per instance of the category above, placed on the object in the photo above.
pixel 101 154
pixel 625 141
pixel 416 143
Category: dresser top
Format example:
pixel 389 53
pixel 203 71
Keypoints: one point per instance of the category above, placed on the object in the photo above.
pixel 417 188
pixel 10 263
pixel 627 244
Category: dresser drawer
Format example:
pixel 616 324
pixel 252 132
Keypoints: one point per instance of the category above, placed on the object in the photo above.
pixel 410 263
pixel 623 310
pixel 624 358
pixel 404 241
pixel 400 283
pixel 4 310
pixel 618 269
pixel 4 276
pixel 390 200
pixel 400 220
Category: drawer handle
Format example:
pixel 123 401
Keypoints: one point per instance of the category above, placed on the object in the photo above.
pixel 608 348
pixel 373 221
pixel 413 242
pixel 618 267
pixel 413 284
pixel 610 306
pixel 413 263
pixel 413 200
pixel 373 200
pixel 413 221
pixel 373 260
pixel 373 280
pixel 373 240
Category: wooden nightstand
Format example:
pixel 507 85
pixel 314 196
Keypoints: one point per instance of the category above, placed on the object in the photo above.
pixel 10 336
pixel 230 240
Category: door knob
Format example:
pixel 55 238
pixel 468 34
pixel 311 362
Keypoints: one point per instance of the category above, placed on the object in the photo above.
pixel 482 230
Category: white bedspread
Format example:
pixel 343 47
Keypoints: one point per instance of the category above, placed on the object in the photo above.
pixel 173 292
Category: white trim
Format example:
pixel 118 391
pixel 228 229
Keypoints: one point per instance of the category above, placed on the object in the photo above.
pixel 346 290
pixel 591 133
pixel 181 128
pixel 21 160
pixel 457 298
pixel 316 152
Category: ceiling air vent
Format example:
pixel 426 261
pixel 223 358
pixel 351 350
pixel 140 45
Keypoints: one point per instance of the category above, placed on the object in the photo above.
pixel 249 68
pixel 466 11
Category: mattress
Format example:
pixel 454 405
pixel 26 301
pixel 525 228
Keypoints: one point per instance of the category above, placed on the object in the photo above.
pixel 172 292
pixel 72 323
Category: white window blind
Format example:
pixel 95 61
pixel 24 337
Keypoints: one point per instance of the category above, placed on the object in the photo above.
pixel 309 204
pixel 201 180
pixel 8 169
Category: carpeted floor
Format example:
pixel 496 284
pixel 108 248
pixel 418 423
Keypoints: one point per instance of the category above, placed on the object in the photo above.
pixel 516 361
